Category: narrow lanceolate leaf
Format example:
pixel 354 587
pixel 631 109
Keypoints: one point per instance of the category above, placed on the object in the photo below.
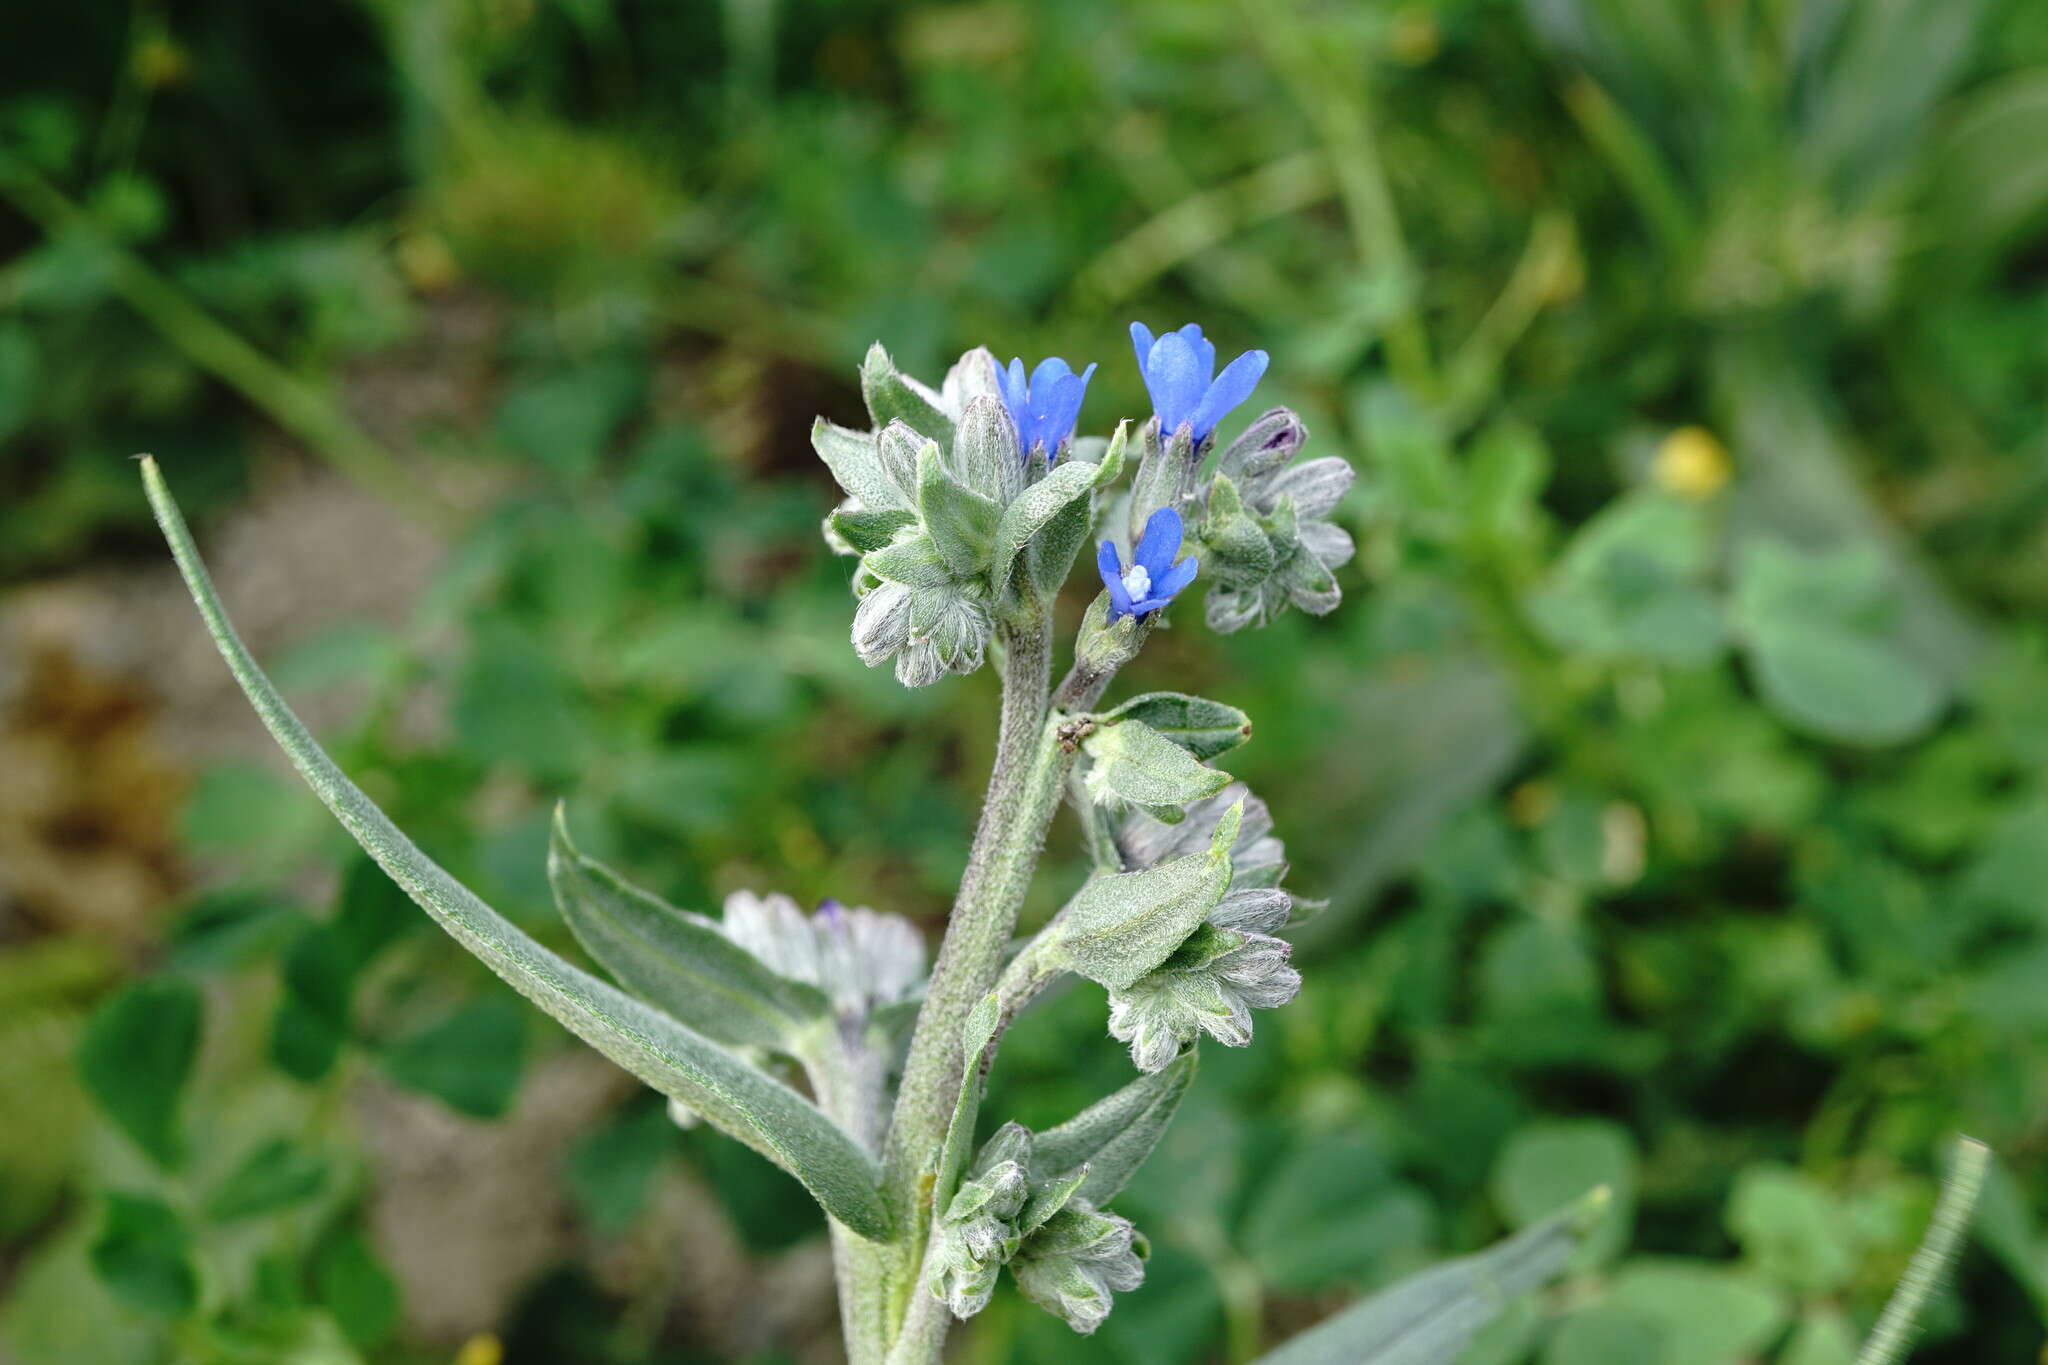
pixel 667 1054
pixel 679 962
pixel 892 398
pixel 1120 927
pixel 1204 728
pixel 855 459
pixel 976 1033
pixel 1033 509
pixel 1429 1319
pixel 1112 1138
pixel 1138 765
pixel 960 521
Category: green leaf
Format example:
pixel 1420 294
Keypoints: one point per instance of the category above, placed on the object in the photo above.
pixel 143 1254
pixel 1428 1319
pixel 354 1286
pixel 1118 928
pixel 977 1034
pixel 1792 1229
pixel 1112 1137
pixel 676 1060
pixel 229 930
pixel 1632 585
pixel 1135 763
pixel 1545 1164
pixel 960 521
pixel 1237 550
pixel 1825 660
pixel 1331 1211
pixel 611 1170
pixel 914 561
pixel 869 531
pixel 136 1056
pixel 277 1175
pixel 471 1060
pixel 892 398
pixel 1674 1312
pixel 1204 728
pixel 1841 686
pixel 855 459
pixel 679 962
pixel 1034 509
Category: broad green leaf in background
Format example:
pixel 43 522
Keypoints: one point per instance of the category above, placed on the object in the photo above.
pixel 1825 660
pixel 679 1062
pixel 143 1254
pixel 354 1286
pixel 1792 1229
pixel 136 1056
pixel 1544 1164
pixel 471 1060
pixel 274 1176
pixel 1331 1211
pixel 1672 1312
pixel 1430 1318
pixel 611 1169
pixel 1632 584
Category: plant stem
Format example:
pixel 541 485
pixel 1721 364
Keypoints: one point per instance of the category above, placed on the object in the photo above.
pixel 1888 1340
pixel 1023 794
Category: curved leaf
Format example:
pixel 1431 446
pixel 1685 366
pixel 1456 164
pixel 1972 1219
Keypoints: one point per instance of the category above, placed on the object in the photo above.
pixel 1429 1319
pixel 679 962
pixel 1112 1137
pixel 1036 507
pixel 665 1053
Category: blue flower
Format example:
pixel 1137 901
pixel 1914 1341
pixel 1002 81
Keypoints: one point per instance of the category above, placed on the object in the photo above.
pixel 1045 408
pixel 1177 369
pixel 1153 579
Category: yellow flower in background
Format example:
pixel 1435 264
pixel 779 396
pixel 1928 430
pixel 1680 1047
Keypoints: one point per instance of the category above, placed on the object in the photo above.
pixel 1692 463
pixel 481 1349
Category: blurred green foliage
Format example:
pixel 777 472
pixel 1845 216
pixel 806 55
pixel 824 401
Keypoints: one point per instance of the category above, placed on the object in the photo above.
pixel 1684 825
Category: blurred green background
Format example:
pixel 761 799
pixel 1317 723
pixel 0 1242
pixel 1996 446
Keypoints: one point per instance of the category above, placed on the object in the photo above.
pixel 1676 768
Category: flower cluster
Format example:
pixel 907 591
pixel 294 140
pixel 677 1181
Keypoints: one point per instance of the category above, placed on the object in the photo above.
pixel 1234 962
pixel 1068 1256
pixel 1046 406
pixel 1180 374
pixel 862 959
pixel 967 498
pixel 1267 528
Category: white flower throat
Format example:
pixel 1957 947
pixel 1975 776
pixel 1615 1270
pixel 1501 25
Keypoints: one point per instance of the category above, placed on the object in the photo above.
pixel 1138 582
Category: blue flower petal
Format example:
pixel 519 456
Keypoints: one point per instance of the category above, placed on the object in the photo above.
pixel 1049 369
pixel 1159 544
pixel 1174 377
pixel 1141 342
pixel 1204 349
pixel 1168 585
pixel 1231 388
pixel 1110 565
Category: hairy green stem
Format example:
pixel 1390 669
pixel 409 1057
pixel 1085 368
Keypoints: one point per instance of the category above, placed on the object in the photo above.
pixel 1937 1251
pixel 1023 793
